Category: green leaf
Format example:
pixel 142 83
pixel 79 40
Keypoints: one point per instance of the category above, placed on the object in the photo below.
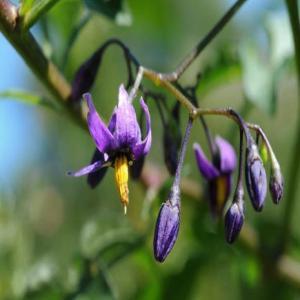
pixel 27 98
pixel 281 41
pixel 26 5
pixel 262 66
pixel 222 68
pixel 113 9
pixel 258 79
pixel 219 76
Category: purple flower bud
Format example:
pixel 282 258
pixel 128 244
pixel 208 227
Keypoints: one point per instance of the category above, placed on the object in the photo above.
pixel 276 185
pixel 256 178
pixel 234 220
pixel 167 227
pixel 85 76
pixel 137 168
pixel 172 140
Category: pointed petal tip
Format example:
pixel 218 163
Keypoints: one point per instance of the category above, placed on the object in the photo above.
pixel 123 95
pixel 88 98
pixel 227 154
pixel 142 148
pixel 87 169
pixel 205 166
pixel 125 209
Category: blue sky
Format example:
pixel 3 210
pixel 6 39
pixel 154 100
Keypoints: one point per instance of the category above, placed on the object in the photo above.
pixel 19 130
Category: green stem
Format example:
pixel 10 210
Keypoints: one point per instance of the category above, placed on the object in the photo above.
pixel 26 45
pixel 294 165
pixel 30 17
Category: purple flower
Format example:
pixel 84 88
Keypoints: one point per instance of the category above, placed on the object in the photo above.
pixel 218 173
pixel 120 143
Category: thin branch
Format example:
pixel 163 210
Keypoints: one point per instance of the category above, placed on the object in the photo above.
pixel 174 76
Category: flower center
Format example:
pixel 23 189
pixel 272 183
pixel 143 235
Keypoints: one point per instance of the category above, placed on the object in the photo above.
pixel 222 191
pixel 121 175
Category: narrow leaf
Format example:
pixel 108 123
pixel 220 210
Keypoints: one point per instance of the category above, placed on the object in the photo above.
pixel 27 98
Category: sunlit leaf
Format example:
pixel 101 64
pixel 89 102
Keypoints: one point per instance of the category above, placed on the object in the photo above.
pixel 26 5
pixel 221 69
pixel 258 77
pixel 281 41
pixel 262 65
pixel 219 76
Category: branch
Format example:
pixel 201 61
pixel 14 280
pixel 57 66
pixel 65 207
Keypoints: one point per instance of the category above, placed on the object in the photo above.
pixel 186 62
pixel 26 45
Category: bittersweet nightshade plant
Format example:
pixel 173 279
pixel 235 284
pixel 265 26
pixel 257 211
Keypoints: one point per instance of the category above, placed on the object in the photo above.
pixel 120 143
pixel 217 172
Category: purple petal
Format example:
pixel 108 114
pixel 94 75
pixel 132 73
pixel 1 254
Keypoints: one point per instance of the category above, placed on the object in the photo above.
pixel 95 178
pixel 86 170
pixel 103 138
pixel 112 122
pixel 207 169
pixel 227 155
pixel 123 95
pixel 144 146
pixel 256 182
pixel 127 130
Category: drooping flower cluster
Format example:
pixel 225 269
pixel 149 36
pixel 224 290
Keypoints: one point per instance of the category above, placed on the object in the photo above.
pixel 120 143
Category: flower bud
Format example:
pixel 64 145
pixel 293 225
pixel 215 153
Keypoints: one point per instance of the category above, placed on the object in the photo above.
pixel 172 140
pixel 85 76
pixel 167 226
pixel 234 220
pixel 276 185
pixel 256 178
pixel 137 168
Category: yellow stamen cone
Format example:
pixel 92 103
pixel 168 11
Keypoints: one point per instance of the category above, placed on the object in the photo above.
pixel 121 175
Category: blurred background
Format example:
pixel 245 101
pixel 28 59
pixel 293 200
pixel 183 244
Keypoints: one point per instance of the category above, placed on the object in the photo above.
pixel 52 226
